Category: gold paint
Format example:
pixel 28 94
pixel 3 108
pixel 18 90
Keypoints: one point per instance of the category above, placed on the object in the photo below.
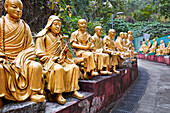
pixel 102 59
pixel 110 48
pixel 62 72
pixel 167 49
pixel 20 75
pixel 153 47
pixel 161 48
pixel 81 41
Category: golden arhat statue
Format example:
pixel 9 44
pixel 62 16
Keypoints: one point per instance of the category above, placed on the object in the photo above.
pixel 20 75
pixel 148 46
pixel 143 47
pixel 102 59
pixel 62 73
pixel 119 44
pixel 110 48
pixel 153 47
pixel 161 48
pixel 130 48
pixel 81 41
pixel 167 49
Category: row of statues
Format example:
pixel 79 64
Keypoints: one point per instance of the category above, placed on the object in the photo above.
pixel 22 77
pixel 159 50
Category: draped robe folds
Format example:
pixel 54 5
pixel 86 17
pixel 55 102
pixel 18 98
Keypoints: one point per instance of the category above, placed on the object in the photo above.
pixel 153 47
pixel 83 40
pixel 109 45
pixel 16 75
pixel 61 77
pixel 101 58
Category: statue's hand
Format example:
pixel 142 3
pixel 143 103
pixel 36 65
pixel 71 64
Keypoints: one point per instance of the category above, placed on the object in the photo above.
pixel 2 60
pixel 88 45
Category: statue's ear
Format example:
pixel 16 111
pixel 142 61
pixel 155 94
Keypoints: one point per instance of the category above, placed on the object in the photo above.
pixel 6 7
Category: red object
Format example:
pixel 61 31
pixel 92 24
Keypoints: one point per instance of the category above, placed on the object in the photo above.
pixel 167 60
pixel 160 59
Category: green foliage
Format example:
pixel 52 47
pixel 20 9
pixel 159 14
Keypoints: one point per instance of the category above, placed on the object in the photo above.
pixel 165 8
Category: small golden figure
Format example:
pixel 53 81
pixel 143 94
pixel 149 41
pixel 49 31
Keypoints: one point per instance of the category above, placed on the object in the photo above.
pixel 143 47
pixel 62 73
pixel 161 48
pixel 167 49
pixel 153 47
pixel 148 46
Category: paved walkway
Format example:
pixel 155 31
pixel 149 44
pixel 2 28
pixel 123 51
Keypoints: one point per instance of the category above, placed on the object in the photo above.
pixel 150 93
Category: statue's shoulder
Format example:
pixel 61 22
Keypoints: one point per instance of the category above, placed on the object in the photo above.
pixel 75 32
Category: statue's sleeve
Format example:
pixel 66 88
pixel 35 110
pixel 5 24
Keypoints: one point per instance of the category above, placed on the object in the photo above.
pixel 73 38
pixel 40 48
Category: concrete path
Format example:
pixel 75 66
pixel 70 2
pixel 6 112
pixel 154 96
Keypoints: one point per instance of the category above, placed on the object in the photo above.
pixel 151 91
pixel 156 98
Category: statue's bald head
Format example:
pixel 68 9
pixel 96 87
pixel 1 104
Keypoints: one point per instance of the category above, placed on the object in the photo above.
pixel 112 31
pixel 7 1
pixel 98 28
pixel 81 20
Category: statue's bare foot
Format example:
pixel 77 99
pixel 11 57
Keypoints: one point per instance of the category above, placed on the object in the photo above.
pixel 1 103
pixel 103 72
pixel 109 72
pixel 76 94
pixel 117 72
pixel 37 98
pixel 133 60
pixel 60 99
pixel 94 73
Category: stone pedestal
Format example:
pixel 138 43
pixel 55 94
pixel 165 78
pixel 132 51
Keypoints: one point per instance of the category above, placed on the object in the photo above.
pixel 146 56
pixel 23 107
pixel 160 59
pixel 152 58
pixel 142 56
pixel 167 60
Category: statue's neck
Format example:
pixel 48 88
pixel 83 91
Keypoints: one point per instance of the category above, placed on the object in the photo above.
pixel 12 19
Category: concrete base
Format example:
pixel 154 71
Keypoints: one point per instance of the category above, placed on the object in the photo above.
pixel 146 57
pixel 100 92
pixel 152 58
pixel 160 59
pixel 23 107
pixel 167 60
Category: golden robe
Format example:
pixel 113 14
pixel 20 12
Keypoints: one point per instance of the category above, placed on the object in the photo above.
pixel 102 59
pixel 61 76
pixel 83 40
pixel 19 74
pixel 109 45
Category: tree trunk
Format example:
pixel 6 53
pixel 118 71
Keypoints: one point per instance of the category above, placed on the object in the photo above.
pixel 1 6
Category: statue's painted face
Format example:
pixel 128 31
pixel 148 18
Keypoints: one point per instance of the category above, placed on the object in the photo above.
pixel 82 25
pixel 125 35
pixel 122 35
pixel 99 31
pixel 56 27
pixel 112 33
pixel 14 8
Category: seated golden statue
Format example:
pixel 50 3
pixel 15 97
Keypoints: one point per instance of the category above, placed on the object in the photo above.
pixel 161 48
pixel 119 44
pixel 102 59
pixel 62 73
pixel 125 39
pixel 153 47
pixel 130 33
pixel 148 46
pixel 167 49
pixel 158 51
pixel 143 47
pixel 81 41
pixel 20 75
pixel 130 47
pixel 110 48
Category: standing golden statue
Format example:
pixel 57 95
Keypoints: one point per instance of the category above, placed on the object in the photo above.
pixel 102 59
pixel 20 75
pixel 167 49
pixel 62 73
pixel 110 48
pixel 82 42
pixel 153 47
